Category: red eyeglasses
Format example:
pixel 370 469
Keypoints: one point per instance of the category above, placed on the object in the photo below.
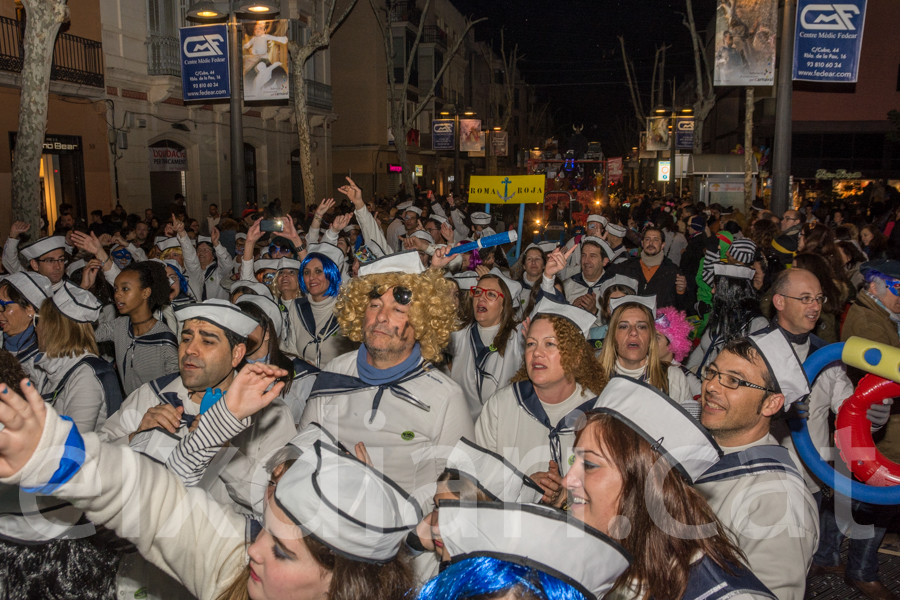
pixel 490 294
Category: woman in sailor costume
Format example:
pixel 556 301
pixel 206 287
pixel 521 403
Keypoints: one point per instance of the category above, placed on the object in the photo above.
pixel 631 349
pixel 68 373
pixel 315 335
pixel 21 297
pixel 534 260
pixel 612 288
pixel 531 421
pixel 636 458
pixel 319 542
pixel 146 349
pixel 487 352
pixel 523 552
pixel 209 264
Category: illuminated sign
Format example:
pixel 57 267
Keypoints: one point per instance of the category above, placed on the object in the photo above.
pixel 395 168
pixel 663 171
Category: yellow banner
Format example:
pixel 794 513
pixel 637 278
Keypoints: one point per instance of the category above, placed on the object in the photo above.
pixel 514 189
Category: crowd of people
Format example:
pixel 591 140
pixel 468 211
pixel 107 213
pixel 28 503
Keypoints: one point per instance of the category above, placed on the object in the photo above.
pixel 338 405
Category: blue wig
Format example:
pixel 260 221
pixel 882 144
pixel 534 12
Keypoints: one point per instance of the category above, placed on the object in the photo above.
pixel 484 575
pixel 182 280
pixel 332 273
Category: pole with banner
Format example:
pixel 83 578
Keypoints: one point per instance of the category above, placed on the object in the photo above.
pixel 828 40
pixel 204 62
pixel 512 189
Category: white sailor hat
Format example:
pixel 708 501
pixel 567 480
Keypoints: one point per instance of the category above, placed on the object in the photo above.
pixel 346 505
pixel 204 239
pixel 331 251
pixel 260 289
pixel 265 263
pixel 160 238
pixel 288 263
pixel 440 219
pixel 34 287
pixel 350 227
pixel 598 219
pixel 35 250
pixel 240 236
pixel 743 250
pixel 545 247
pixel 423 235
pixel 498 478
pixel 662 422
pixel 733 271
pixel 514 286
pixel 401 262
pixel 616 230
pixel 480 218
pixel 77 304
pixel 413 209
pixel 466 280
pixel 581 318
pixel 604 245
pixel 269 308
pixel 166 243
pixel 648 301
pixel 534 536
pixel 220 313
pixel 404 205
pixel 622 280
pixel 783 363
pixel 74 266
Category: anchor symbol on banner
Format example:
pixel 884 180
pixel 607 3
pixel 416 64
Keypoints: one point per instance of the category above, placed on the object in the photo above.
pixel 505 197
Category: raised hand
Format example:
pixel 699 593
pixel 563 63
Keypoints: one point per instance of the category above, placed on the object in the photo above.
pixel 178 227
pixel 87 242
pixel 551 482
pixel 340 222
pixel 247 394
pixel 18 228
pixel 323 208
pixel 482 270
pixel 447 232
pixel 253 235
pixel 680 283
pixel 290 232
pixel 89 274
pixel 360 450
pixel 556 261
pixel 23 423
pixel 439 259
pixel 353 192
pixel 169 231
pixel 214 236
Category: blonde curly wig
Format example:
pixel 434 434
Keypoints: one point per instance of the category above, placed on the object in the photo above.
pixel 432 312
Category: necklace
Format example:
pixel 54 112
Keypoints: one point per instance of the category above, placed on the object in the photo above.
pixel 138 323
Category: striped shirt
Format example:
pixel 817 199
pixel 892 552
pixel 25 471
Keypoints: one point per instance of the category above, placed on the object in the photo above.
pixel 141 359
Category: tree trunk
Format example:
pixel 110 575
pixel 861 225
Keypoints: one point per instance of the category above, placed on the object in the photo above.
pixel 302 117
pixel 43 20
pixel 748 151
pixel 400 144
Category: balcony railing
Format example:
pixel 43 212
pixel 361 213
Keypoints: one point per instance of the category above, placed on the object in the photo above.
pixel 318 95
pixel 434 35
pixel 75 59
pixel 405 11
pixel 163 56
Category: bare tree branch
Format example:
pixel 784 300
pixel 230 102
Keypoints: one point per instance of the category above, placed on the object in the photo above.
pixel 632 85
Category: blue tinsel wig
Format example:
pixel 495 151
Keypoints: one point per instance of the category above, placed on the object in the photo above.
pixel 484 575
pixel 332 273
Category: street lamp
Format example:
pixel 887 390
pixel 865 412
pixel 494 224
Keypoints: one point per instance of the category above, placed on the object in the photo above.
pixel 206 11
pixel 452 110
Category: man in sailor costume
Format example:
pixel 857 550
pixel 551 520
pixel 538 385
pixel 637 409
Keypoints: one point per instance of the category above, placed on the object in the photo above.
pixel 212 347
pixel 594 227
pixel 209 263
pixel 581 289
pixel 46 256
pixel 614 235
pixel 757 489
pixel 387 394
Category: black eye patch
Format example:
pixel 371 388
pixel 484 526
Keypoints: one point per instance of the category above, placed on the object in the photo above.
pixel 402 295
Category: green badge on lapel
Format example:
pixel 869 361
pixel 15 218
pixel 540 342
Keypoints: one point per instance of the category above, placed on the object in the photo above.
pixel 407 436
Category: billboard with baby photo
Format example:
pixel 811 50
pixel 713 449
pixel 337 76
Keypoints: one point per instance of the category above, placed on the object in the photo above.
pixel 266 60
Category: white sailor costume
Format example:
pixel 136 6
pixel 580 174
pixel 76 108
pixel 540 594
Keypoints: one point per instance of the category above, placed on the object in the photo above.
pixel 315 333
pixel 83 387
pixel 213 275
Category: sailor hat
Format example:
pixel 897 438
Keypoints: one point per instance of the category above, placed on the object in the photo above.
pixel 35 250
pixel 499 479
pixel 166 243
pixel 401 262
pixel 598 219
pixel 414 209
pixel 335 254
pixel 581 318
pixel 515 288
pixel 423 235
pixel 545 247
pixel 480 218
pixel 648 301
pixel 220 313
pixel 616 230
pixel 622 280
pixel 265 263
pixel 466 280
pixel 784 364
pixel 77 304
pixel 74 266
pixel 34 287
pixel 257 288
pixel 269 308
pixel 604 245
pixel 288 263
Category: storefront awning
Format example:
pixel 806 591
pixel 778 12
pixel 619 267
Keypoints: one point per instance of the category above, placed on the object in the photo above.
pixel 719 164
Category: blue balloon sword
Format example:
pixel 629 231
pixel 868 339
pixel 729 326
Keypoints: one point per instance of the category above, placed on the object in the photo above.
pixel 498 239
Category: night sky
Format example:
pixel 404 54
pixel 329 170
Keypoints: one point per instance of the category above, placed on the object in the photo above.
pixel 572 54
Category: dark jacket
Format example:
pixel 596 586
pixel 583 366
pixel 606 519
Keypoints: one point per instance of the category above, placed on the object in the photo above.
pixel 662 285
pixel 693 254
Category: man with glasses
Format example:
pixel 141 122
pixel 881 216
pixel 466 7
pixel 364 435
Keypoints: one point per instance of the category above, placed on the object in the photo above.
pixel 756 489
pixel 786 244
pixel 47 256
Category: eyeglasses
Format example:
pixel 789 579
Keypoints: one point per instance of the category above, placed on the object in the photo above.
pixel 491 295
pixel 4 304
pixel 730 381
pixel 52 261
pixel 821 299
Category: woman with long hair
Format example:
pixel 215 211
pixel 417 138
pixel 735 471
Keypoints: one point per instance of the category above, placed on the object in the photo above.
pixel 631 349
pixel 817 238
pixel 146 349
pixel 527 421
pixel 319 542
pixel 69 374
pixel 21 297
pixel 287 280
pixel 614 287
pixel 640 493
pixel 735 313
pixel 874 243
pixel 315 335
pixel 851 258
pixel 487 350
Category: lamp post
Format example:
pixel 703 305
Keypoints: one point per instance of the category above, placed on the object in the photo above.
pixel 454 111
pixel 207 11
pixel 673 128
